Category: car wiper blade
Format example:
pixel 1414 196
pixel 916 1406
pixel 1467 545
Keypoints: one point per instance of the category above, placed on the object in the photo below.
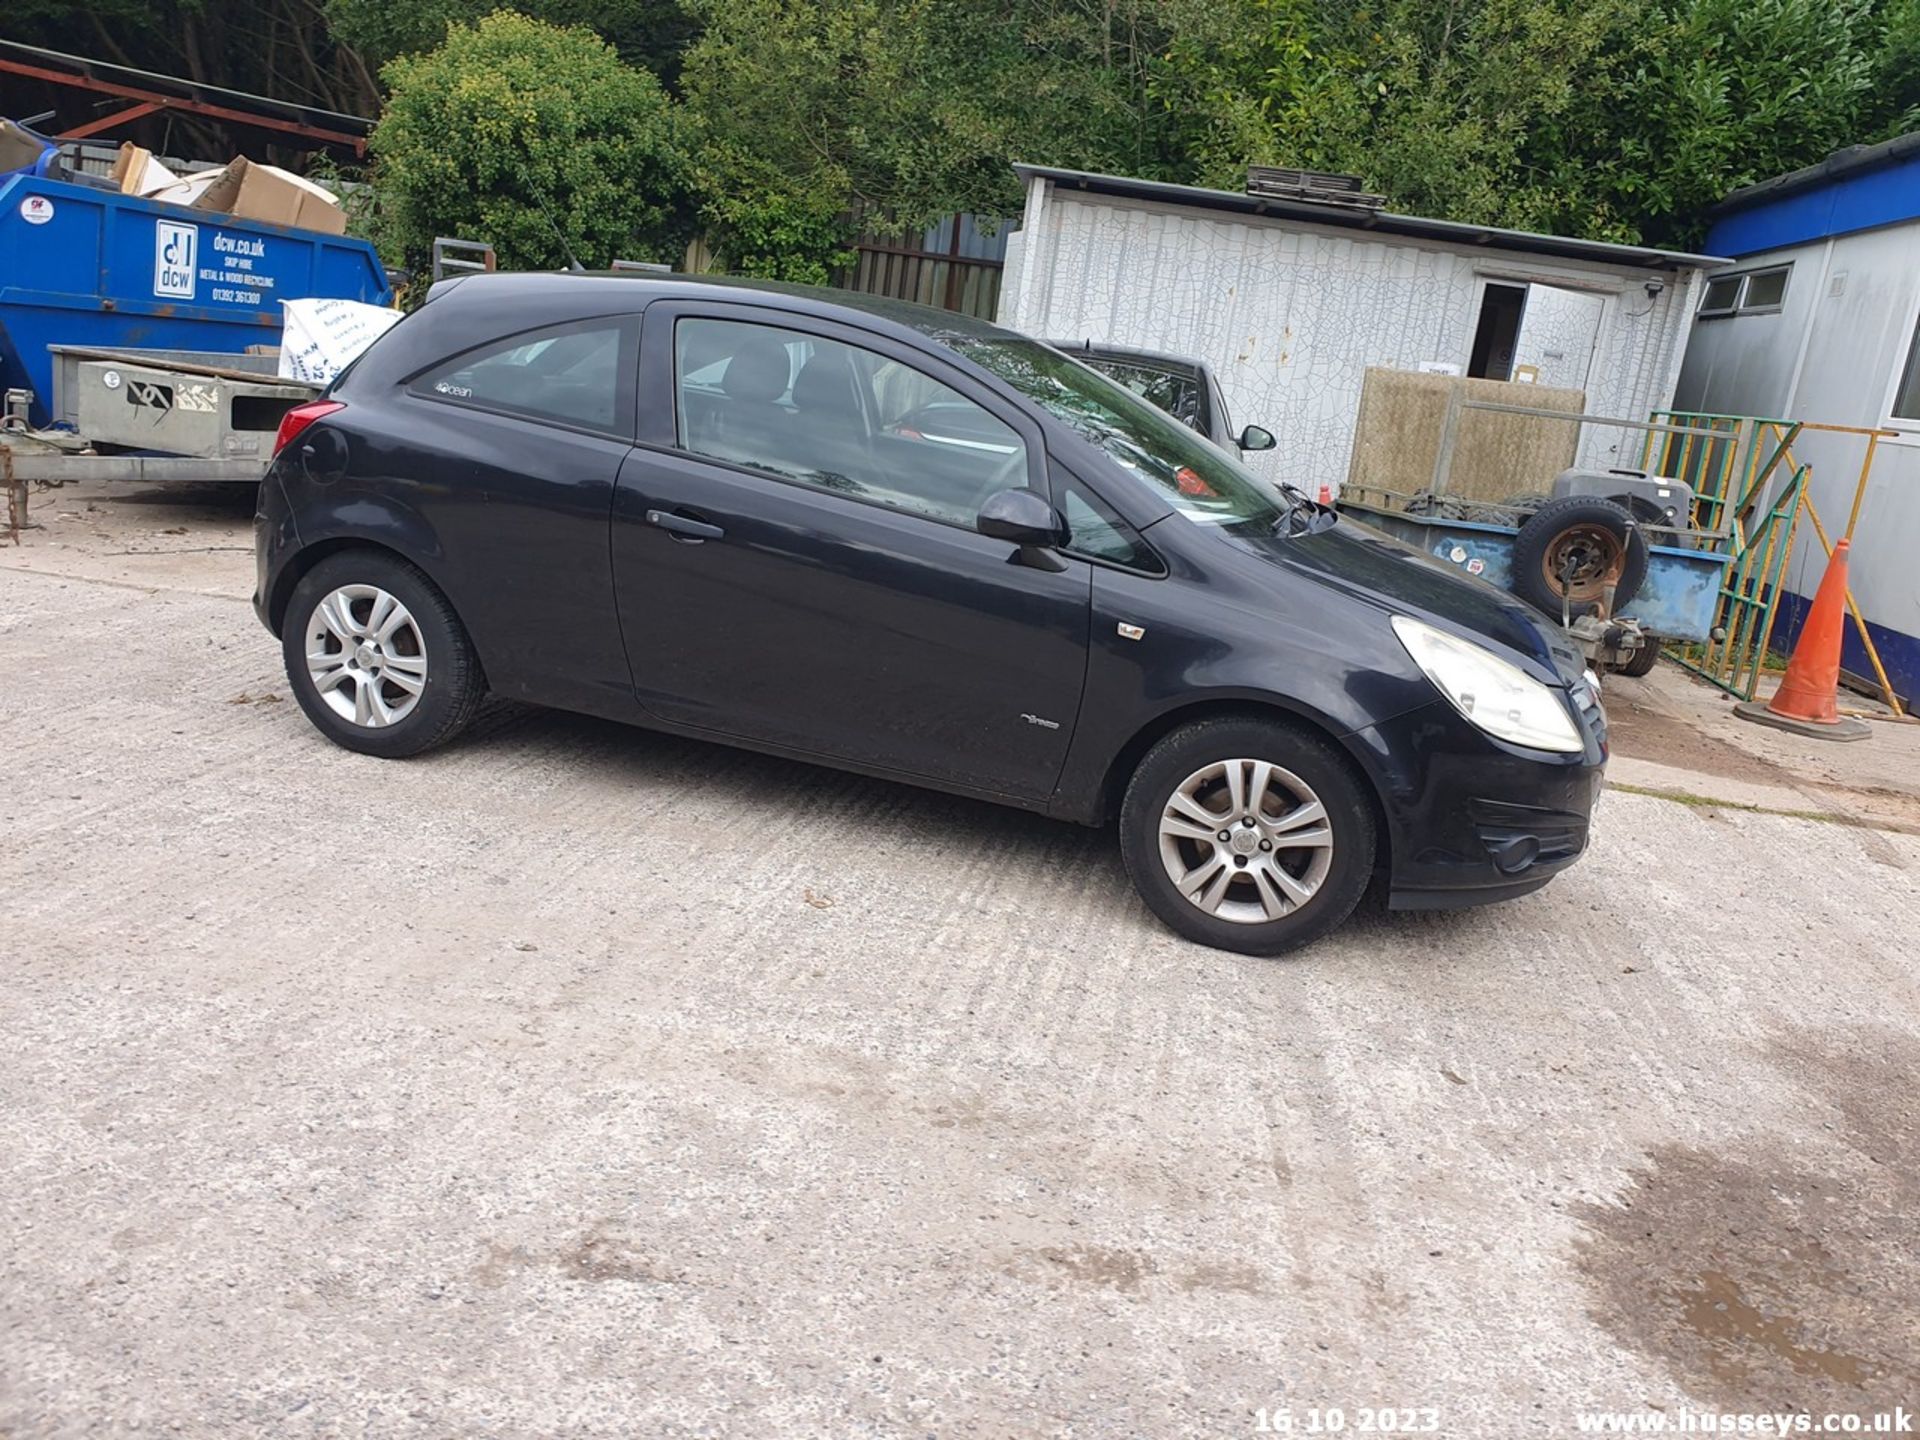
pixel 1303 516
pixel 1298 518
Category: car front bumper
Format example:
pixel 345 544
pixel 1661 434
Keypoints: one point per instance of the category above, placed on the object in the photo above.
pixel 1471 819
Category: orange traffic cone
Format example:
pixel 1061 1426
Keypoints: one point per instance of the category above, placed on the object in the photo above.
pixel 1807 701
pixel 1326 493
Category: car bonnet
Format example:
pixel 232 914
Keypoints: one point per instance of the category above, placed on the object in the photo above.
pixel 1380 571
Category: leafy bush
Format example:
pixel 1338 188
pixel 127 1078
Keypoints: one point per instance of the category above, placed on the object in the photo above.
pixel 535 137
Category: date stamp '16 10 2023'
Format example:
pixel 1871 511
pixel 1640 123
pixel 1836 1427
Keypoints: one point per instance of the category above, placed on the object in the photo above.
pixel 1338 1420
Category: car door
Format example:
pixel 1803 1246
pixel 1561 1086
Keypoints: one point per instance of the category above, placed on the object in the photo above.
pixel 509 451
pixel 796 564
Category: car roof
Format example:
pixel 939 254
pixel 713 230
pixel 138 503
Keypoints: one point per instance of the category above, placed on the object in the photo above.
pixel 623 289
pixel 1127 352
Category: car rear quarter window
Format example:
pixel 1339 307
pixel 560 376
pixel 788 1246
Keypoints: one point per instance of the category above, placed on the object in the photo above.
pixel 575 375
pixel 838 416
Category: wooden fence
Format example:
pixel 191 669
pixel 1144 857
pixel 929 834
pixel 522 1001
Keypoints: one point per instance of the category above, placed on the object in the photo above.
pixel 954 264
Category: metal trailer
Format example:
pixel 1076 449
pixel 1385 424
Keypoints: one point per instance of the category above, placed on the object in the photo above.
pixel 1687 563
pixel 146 416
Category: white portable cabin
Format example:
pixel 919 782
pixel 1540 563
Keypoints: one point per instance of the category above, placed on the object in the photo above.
pixel 1291 300
pixel 1819 321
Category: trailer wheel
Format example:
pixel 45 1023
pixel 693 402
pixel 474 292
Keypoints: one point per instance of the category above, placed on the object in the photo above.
pixel 1643 659
pixel 1578 544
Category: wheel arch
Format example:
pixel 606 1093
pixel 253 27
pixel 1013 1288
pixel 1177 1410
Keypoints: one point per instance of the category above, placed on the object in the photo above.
pixel 1127 759
pixel 307 558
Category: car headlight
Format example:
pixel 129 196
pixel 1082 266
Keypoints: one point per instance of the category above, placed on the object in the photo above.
pixel 1501 698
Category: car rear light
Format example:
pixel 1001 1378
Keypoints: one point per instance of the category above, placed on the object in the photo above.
pixel 299 418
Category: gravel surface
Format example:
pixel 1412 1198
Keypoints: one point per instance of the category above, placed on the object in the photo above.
pixel 578 1081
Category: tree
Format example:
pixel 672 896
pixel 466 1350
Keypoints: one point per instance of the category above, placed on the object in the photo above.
pixel 649 33
pixel 535 137
pixel 267 47
pixel 1896 79
pixel 1611 119
pixel 1615 119
pixel 901 111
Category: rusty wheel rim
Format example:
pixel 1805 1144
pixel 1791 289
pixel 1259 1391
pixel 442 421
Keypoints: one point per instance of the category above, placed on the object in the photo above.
pixel 1583 560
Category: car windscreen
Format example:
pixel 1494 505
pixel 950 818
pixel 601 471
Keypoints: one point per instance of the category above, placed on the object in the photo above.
pixel 1198 478
pixel 1174 389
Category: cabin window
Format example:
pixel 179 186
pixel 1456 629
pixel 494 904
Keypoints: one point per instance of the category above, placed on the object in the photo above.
pixel 1751 292
pixel 1766 289
pixel 1722 297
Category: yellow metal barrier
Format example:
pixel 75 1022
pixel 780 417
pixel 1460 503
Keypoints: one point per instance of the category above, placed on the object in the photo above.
pixel 1730 461
pixel 1874 437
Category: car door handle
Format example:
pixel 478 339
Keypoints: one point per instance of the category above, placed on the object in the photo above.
pixel 683 525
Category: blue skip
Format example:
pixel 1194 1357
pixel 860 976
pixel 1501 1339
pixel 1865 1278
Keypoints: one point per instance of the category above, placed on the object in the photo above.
pixel 92 267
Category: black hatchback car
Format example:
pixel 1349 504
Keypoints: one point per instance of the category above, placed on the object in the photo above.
pixel 906 543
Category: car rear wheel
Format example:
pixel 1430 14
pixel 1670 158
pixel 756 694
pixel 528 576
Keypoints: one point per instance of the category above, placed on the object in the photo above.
pixel 377 658
pixel 1247 835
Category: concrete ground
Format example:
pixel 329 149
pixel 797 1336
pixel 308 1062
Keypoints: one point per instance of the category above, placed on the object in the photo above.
pixel 581 1082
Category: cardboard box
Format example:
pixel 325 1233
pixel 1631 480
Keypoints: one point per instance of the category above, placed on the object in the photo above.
pixel 264 192
pixel 136 172
pixel 188 190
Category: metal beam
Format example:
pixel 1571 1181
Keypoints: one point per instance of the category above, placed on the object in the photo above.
pixel 107 122
pixel 357 143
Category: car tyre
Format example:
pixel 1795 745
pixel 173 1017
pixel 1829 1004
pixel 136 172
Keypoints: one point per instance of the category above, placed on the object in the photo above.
pixel 1311 819
pixel 376 656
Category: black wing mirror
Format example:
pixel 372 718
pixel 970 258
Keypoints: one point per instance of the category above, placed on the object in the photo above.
pixel 1020 517
pixel 1255 438
pixel 1024 518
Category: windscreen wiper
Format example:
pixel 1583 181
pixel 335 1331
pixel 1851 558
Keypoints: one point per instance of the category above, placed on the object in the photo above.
pixel 1302 516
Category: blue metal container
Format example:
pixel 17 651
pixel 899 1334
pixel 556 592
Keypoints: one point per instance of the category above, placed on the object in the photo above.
pixel 1676 601
pixel 80 266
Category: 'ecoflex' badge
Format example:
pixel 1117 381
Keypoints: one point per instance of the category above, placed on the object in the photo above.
pixel 175 249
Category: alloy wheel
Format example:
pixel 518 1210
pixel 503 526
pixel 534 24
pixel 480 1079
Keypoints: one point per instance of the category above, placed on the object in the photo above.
pixel 1246 840
pixel 366 656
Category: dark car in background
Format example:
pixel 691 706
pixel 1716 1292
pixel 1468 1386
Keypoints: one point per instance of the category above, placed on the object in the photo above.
pixel 1179 384
pixel 897 541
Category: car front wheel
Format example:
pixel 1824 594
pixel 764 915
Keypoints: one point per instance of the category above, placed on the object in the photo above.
pixel 1248 835
pixel 377 658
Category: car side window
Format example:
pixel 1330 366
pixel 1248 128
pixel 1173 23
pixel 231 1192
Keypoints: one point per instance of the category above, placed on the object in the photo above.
pixel 1096 531
pixel 838 416
pixel 570 375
